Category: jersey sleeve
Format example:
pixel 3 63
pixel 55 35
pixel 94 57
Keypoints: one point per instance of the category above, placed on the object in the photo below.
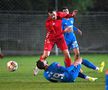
pixel 61 15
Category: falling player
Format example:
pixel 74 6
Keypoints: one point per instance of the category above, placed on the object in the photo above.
pixel 57 73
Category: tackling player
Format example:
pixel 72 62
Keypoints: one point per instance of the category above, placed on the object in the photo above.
pixel 55 35
pixel 56 73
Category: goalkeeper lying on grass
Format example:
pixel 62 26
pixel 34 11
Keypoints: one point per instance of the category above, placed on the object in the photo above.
pixel 56 73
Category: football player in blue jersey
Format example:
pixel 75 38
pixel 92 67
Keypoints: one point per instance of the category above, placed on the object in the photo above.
pixel 70 37
pixel 57 73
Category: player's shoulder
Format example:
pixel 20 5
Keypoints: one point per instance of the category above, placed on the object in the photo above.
pixel 52 66
pixel 54 63
pixel 59 13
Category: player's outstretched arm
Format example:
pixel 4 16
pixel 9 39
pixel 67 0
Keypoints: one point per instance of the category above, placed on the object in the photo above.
pixel 75 12
pixel 77 30
pixel 80 32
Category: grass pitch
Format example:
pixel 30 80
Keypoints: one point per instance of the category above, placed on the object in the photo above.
pixel 23 78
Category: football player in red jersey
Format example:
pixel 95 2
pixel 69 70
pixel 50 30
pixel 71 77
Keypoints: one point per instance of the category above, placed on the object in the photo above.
pixel 55 34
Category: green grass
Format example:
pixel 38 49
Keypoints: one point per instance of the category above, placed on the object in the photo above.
pixel 23 78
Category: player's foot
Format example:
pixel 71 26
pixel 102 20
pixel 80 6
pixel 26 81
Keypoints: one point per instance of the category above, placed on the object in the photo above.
pixel 36 70
pixel 92 79
pixel 101 67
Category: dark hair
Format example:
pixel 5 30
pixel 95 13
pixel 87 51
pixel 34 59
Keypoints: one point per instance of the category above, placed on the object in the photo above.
pixel 40 64
pixel 65 8
pixel 50 10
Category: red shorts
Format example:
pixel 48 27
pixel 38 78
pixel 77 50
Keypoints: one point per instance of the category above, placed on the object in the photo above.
pixel 49 44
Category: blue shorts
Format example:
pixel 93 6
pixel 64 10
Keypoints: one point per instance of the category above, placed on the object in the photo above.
pixel 71 41
pixel 71 45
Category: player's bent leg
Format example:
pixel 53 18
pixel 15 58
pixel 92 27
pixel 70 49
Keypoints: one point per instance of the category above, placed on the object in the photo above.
pixel 89 64
pixel 83 76
pixel 67 60
pixel 76 53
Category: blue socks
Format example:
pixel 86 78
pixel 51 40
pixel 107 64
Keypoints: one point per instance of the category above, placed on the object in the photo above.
pixel 88 64
pixel 81 75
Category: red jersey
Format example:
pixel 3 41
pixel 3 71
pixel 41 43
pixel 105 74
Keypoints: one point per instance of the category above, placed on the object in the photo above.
pixel 54 27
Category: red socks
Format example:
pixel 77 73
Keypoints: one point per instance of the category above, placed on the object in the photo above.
pixel 68 62
pixel 41 59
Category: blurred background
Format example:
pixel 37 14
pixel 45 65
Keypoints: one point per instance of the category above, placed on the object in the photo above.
pixel 22 25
